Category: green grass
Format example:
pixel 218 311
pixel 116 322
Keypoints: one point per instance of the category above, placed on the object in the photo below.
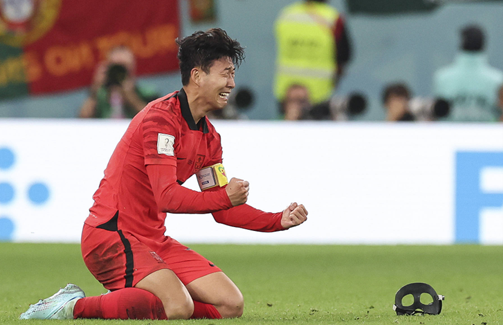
pixel 291 284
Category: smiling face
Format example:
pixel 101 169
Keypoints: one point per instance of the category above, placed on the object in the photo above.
pixel 216 85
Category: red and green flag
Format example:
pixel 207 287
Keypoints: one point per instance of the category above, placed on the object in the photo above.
pixel 49 46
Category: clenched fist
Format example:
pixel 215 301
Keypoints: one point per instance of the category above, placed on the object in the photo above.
pixel 237 190
pixel 294 215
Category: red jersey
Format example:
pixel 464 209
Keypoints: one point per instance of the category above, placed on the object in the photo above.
pixel 161 149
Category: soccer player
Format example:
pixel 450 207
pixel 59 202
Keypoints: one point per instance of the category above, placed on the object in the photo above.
pixel 150 275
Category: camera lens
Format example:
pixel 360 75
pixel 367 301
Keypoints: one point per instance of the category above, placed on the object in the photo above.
pixel 116 74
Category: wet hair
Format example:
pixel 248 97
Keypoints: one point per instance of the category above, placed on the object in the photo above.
pixel 201 49
pixel 396 89
pixel 472 38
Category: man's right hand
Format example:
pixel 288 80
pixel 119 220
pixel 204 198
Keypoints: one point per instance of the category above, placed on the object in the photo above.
pixel 237 190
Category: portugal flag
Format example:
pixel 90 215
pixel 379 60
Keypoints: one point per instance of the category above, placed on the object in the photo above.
pixel 48 46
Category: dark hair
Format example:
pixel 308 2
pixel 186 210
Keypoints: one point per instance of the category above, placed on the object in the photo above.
pixel 201 49
pixel 472 38
pixel 397 89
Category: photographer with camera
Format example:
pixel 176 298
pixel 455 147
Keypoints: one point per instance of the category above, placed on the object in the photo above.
pixel 402 107
pixel 114 92
pixel 296 104
pixel 395 99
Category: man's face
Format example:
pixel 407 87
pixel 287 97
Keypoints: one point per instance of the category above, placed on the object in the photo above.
pixel 216 86
pixel 396 106
pixel 296 102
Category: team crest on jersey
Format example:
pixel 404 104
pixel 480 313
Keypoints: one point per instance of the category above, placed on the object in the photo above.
pixel 199 162
pixel 165 144
pixel 25 21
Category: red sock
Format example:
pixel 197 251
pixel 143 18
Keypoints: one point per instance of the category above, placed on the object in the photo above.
pixel 128 303
pixel 202 310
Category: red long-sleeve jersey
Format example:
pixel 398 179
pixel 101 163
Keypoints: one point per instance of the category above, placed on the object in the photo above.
pixel 160 150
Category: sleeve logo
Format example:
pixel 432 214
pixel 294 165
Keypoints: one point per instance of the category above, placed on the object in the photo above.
pixel 165 144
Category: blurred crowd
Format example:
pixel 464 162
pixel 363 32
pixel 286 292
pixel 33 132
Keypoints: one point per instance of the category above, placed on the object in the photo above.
pixel 314 49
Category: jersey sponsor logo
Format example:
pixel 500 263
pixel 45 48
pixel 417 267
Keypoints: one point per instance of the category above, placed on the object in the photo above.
pixel 165 144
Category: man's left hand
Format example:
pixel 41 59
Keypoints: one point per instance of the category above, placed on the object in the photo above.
pixel 293 215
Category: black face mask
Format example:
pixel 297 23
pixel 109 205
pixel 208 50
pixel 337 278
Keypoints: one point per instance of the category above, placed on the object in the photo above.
pixel 416 289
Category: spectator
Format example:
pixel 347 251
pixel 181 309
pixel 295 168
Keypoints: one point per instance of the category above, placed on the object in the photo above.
pixel 470 83
pixel 114 92
pixel 313 49
pixel 395 99
pixel 296 104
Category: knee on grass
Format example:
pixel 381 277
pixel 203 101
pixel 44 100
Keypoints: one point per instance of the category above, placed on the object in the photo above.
pixel 231 307
pixel 179 310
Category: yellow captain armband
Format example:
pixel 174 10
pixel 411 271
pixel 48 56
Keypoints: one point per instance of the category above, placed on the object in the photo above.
pixel 212 176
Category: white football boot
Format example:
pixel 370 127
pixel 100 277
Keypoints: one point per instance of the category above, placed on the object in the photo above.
pixel 58 306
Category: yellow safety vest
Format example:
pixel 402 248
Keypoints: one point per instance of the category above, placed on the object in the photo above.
pixel 306 49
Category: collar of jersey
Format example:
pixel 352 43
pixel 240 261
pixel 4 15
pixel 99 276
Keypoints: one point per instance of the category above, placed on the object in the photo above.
pixel 187 115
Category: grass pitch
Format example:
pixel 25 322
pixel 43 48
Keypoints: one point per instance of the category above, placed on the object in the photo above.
pixel 290 284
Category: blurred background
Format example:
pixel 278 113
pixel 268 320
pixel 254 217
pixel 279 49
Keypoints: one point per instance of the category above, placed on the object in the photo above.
pixel 365 181
pixel 392 41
